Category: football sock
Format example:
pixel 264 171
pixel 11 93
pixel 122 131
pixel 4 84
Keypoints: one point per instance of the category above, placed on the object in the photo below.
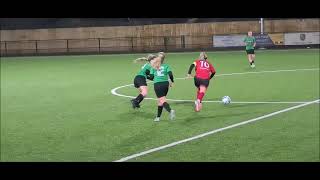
pixel 167 106
pixel 159 110
pixel 139 98
pixel 252 62
pixel 200 96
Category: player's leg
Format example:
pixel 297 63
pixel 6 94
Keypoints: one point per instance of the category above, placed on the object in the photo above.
pixel 160 108
pixel 165 89
pixel 203 90
pixel 161 91
pixel 248 56
pixel 198 90
pixel 167 107
pixel 197 85
pixel 159 94
pixel 143 94
pixel 140 83
pixel 250 59
pixel 253 57
pixel 196 102
pixel 137 84
pixel 204 83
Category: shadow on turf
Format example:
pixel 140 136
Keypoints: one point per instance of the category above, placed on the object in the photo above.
pixel 197 118
pixel 191 104
pixel 248 69
pixel 182 102
pixel 244 105
pixel 140 113
pixel 137 113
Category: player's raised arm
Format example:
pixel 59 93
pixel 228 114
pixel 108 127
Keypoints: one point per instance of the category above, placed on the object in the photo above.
pixel 171 76
pixel 213 71
pixel 190 70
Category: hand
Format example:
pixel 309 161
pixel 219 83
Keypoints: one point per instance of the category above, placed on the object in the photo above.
pixel 171 84
pixel 189 76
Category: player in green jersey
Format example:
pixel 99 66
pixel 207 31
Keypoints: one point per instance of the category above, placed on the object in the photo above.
pixel 250 43
pixel 140 80
pixel 159 75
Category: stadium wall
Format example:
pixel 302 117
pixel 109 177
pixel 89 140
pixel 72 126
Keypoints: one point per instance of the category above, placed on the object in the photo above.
pixel 169 37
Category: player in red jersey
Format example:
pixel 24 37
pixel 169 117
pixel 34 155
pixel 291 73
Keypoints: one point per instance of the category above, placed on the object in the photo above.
pixel 204 72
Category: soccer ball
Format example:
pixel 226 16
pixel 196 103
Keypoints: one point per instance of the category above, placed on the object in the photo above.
pixel 226 100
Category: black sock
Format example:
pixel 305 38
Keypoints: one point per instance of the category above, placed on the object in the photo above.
pixel 159 110
pixel 167 106
pixel 139 98
pixel 250 63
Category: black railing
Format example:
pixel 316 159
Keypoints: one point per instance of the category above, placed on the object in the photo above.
pixel 105 45
pixel 113 45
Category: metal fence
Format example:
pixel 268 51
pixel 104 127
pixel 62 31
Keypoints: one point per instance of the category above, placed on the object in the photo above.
pixel 125 45
pixel 105 45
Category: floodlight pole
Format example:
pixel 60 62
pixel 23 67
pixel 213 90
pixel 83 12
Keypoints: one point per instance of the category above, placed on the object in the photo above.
pixel 261 25
pixel 261 30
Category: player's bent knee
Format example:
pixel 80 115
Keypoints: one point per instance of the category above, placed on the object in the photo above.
pixel 162 100
pixel 203 89
pixel 143 90
pixel 144 93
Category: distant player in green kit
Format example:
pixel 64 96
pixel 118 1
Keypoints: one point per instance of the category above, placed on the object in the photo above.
pixel 159 74
pixel 140 80
pixel 250 42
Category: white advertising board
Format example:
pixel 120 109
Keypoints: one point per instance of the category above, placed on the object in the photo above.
pixel 228 41
pixel 303 38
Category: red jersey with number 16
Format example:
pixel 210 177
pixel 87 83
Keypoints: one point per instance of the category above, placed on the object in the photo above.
pixel 203 69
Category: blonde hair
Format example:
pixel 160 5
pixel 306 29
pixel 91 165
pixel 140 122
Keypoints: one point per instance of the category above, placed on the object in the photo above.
pixel 162 54
pixel 203 56
pixel 145 59
pixel 156 62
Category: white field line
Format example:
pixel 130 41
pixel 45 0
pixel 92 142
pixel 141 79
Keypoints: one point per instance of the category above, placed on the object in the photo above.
pixel 213 132
pixel 114 91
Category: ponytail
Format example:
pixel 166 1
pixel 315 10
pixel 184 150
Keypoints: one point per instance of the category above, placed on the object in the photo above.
pixel 142 59
pixel 145 59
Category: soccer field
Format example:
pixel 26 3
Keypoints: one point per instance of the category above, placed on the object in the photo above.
pixel 61 108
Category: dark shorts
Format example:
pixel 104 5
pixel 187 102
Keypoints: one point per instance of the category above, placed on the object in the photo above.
pixel 250 51
pixel 203 82
pixel 139 81
pixel 161 88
